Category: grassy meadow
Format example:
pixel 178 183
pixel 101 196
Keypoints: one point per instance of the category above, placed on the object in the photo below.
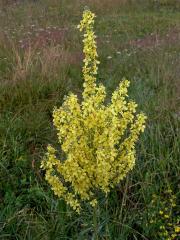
pixel 40 62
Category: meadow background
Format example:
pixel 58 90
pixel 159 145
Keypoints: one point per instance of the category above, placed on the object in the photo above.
pixel 40 62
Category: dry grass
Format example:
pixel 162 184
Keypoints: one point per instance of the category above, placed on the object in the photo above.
pixel 23 63
pixel 53 59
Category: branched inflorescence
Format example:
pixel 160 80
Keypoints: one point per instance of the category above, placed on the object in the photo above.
pixel 97 140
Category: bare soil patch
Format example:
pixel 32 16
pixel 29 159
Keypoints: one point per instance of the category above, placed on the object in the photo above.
pixel 156 40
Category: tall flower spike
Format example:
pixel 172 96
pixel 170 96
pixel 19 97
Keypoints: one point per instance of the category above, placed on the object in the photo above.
pixel 90 51
pixel 97 140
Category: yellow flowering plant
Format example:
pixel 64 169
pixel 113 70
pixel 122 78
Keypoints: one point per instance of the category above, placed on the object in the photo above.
pixel 97 140
pixel 163 219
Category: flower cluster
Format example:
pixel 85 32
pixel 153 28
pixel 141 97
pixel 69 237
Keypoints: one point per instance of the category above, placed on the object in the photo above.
pixel 97 140
pixel 164 218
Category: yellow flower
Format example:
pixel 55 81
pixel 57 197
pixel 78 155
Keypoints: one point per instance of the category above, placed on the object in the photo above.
pixel 93 202
pixel 169 224
pixel 97 140
pixel 177 229
pixel 173 236
pixel 161 212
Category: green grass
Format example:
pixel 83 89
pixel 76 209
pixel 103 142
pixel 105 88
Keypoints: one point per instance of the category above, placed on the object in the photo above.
pixel 33 81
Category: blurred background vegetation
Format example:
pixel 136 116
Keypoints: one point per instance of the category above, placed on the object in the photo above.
pixel 40 62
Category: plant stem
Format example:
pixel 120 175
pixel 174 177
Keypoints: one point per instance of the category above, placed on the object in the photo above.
pixel 107 219
pixel 95 221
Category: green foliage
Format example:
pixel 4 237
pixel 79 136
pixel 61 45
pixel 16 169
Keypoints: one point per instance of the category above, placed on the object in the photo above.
pixel 28 209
